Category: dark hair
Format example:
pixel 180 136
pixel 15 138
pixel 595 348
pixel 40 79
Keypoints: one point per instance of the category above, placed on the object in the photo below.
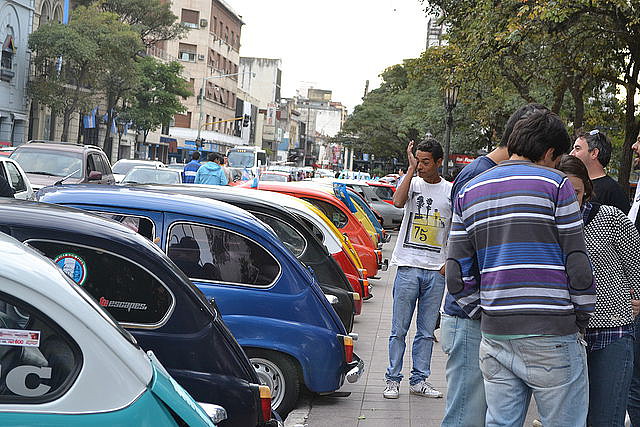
pixel 521 113
pixel 572 165
pixel 195 155
pixel 431 145
pixel 596 139
pixel 535 134
pixel 213 157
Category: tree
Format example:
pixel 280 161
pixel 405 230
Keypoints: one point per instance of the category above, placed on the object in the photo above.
pixel 151 19
pixel 65 60
pixel 157 98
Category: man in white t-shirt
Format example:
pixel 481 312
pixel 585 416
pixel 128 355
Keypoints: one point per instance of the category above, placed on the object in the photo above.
pixel 420 255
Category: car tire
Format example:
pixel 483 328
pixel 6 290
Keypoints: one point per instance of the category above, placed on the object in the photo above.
pixel 278 371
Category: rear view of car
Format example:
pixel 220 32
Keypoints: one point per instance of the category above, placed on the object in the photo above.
pixel 152 175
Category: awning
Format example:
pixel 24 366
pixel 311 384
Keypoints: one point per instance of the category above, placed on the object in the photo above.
pixel 17 117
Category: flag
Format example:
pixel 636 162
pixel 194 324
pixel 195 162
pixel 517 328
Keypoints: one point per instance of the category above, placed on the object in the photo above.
pixel 89 120
pixel 255 182
pixel 114 129
pixel 340 190
pixel 125 130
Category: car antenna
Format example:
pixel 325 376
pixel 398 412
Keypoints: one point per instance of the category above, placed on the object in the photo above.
pixel 59 182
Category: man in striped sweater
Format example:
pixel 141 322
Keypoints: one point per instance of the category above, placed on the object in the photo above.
pixel 517 260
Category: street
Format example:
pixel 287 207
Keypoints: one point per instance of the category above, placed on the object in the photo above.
pixel 365 406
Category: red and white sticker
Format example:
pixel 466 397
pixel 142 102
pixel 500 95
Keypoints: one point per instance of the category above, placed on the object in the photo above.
pixel 19 338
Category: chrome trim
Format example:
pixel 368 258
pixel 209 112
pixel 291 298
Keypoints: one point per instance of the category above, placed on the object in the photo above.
pixel 157 325
pixel 270 285
pixel 216 413
pixel 332 299
pixel 354 336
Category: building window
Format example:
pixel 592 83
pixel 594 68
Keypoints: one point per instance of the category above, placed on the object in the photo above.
pixel 6 63
pixel 187 52
pixel 190 18
pixel 183 120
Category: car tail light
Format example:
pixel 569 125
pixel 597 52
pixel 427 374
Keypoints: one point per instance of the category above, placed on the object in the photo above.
pixel 356 296
pixel 348 348
pixel 265 402
pixel 378 255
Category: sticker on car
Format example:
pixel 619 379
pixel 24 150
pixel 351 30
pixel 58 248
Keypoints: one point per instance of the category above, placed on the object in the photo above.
pixel 73 266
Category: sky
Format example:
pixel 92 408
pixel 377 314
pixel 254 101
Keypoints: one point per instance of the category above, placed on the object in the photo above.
pixel 332 44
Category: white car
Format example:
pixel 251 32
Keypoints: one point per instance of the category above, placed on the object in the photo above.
pixel 65 361
pixel 18 180
pixel 122 166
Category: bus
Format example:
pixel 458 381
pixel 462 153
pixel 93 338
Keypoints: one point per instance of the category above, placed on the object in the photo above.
pixel 249 157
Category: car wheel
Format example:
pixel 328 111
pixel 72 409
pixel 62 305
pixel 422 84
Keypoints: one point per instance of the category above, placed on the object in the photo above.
pixel 279 372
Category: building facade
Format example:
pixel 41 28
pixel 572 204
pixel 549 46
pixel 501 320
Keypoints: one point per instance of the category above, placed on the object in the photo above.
pixel 210 54
pixel 16 22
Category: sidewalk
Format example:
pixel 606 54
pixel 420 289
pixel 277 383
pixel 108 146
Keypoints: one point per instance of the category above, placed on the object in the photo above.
pixel 366 406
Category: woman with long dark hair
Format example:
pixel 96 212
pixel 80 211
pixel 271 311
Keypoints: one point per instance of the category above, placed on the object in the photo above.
pixel 613 245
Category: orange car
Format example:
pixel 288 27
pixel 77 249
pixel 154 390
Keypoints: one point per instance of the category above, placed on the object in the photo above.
pixel 339 214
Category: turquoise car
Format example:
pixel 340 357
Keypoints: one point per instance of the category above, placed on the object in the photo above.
pixel 65 362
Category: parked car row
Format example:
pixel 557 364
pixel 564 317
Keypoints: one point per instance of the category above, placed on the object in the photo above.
pixel 244 295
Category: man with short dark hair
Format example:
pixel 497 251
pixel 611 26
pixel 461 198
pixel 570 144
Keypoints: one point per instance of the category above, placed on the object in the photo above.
pixel 211 172
pixel 460 334
pixel 420 254
pixel 517 258
pixel 594 149
pixel 191 168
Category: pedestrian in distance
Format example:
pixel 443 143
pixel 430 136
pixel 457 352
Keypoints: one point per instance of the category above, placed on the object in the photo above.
pixel 5 188
pixel 613 245
pixel 211 172
pixel 460 335
pixel 191 168
pixel 594 149
pixel 420 256
pixel 227 171
pixel 517 259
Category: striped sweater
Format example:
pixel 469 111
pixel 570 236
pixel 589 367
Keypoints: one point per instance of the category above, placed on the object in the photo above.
pixel 531 274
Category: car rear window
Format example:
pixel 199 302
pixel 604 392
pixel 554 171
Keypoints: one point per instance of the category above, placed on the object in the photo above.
pixel 49 162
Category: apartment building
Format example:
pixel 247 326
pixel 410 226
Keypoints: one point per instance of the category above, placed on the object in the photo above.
pixel 210 56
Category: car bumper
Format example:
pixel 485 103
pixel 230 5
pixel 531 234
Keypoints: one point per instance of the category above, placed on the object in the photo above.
pixel 354 369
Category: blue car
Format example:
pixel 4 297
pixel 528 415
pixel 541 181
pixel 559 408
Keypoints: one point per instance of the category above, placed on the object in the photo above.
pixel 271 303
pixel 142 289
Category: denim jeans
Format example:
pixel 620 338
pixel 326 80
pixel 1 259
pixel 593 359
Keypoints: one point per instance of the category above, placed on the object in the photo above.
pixel 633 405
pixel 424 287
pixel 610 371
pixel 553 368
pixel 466 405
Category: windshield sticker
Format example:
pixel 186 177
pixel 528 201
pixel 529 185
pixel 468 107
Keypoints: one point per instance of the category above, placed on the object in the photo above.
pixel 73 266
pixel 19 338
pixel 127 305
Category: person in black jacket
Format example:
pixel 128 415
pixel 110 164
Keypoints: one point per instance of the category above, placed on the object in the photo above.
pixel 5 188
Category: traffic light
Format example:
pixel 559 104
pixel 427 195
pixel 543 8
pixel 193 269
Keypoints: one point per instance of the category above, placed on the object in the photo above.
pixel 245 120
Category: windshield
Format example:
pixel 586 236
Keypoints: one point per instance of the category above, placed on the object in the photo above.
pixel 123 167
pixel 241 159
pixel 152 176
pixel 50 163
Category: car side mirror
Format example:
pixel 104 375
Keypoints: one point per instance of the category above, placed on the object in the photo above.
pixel 95 176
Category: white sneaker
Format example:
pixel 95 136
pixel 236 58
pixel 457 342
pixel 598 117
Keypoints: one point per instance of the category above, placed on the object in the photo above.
pixel 423 388
pixel 392 390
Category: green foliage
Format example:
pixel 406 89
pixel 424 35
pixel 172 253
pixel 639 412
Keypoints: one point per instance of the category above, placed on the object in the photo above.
pixel 157 99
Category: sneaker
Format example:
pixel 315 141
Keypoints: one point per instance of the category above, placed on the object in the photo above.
pixel 423 388
pixel 392 390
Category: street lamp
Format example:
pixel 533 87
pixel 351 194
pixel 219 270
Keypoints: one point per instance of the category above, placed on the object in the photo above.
pixel 450 101
pixel 201 97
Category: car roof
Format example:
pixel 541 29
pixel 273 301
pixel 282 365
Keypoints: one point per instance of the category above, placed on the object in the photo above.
pixel 154 168
pixel 136 197
pixel 59 146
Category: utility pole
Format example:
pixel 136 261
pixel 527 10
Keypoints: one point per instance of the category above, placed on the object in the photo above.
pixel 366 88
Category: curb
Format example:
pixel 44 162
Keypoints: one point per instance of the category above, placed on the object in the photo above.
pixel 299 416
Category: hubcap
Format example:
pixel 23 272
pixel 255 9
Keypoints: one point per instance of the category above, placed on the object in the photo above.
pixel 270 375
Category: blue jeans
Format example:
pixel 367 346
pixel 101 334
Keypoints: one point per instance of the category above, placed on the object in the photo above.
pixel 466 405
pixel 610 371
pixel 553 368
pixel 633 405
pixel 424 287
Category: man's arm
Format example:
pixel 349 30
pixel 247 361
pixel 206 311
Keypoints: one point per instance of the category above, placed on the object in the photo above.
pixel 402 192
pixel 582 288
pixel 463 275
